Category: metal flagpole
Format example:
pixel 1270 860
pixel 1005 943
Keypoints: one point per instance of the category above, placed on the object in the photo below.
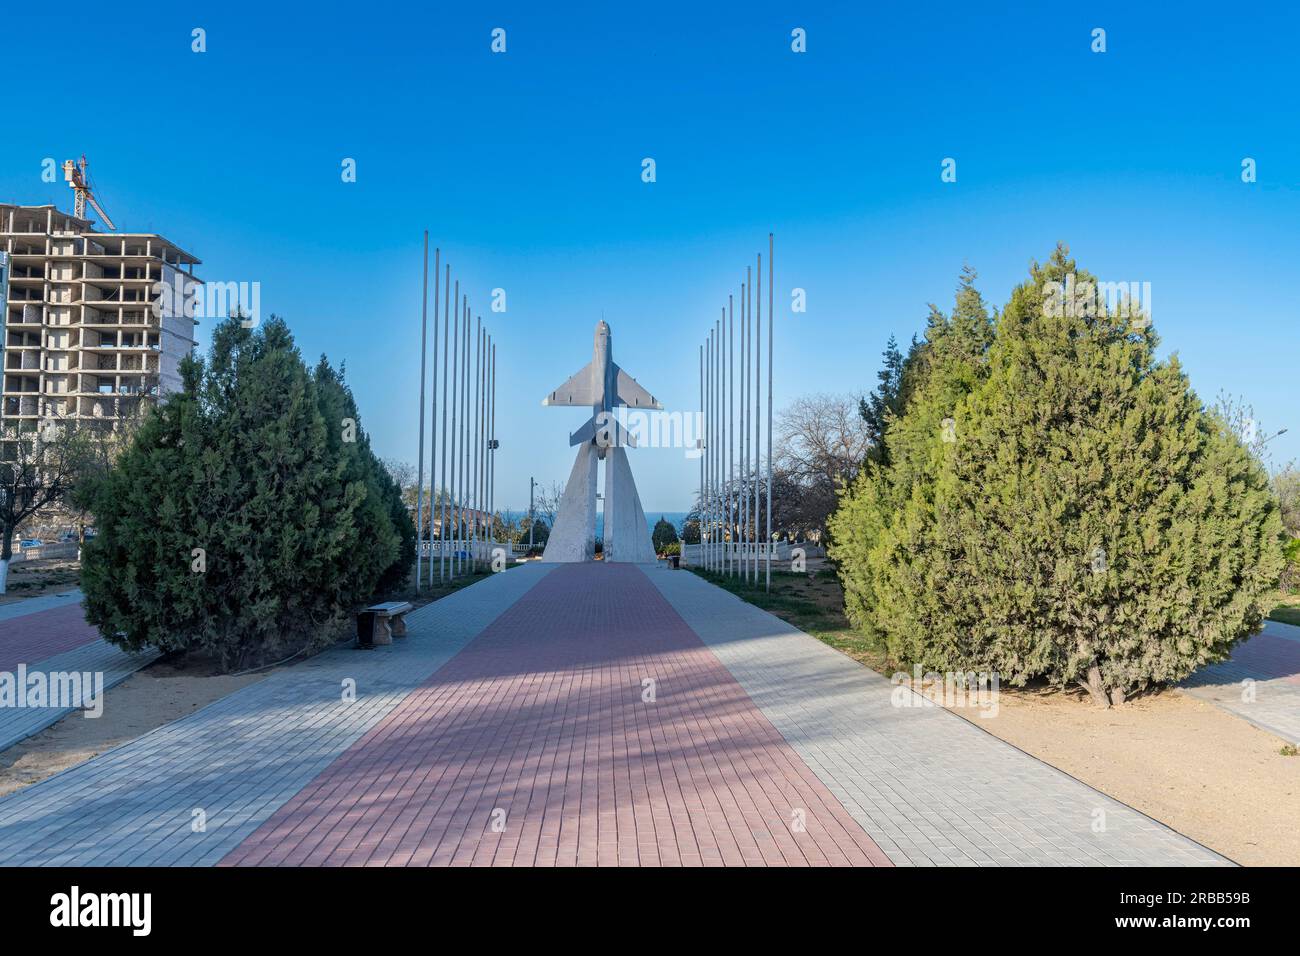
pixel 462 480
pixel 464 456
pixel 711 403
pixel 458 444
pixel 442 481
pixel 711 375
pixel 480 450
pixel 771 305
pixel 731 431
pixel 492 448
pixel 433 413
pixel 419 469
pixel 709 513
pixel 475 423
pixel 480 363
pixel 704 429
pixel 453 562
pixel 744 423
pixel 740 432
pixel 758 401
pixel 714 443
pixel 464 436
pixel 458 502
pixel 471 452
pixel 720 457
pixel 720 454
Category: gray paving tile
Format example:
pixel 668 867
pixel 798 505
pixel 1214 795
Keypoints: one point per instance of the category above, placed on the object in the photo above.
pixel 938 778
pixel 242 757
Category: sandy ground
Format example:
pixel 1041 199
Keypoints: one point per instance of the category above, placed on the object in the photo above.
pixel 1198 769
pixel 148 699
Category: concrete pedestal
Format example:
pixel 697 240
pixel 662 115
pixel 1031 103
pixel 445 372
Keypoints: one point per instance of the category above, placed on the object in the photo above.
pixel 574 536
pixel 626 536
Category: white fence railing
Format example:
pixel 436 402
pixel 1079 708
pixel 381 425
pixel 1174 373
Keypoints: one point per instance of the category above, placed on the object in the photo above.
pixel 777 551
pixel 61 550
pixel 481 549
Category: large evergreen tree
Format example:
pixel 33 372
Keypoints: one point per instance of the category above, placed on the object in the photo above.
pixel 1079 516
pixel 938 372
pixel 247 516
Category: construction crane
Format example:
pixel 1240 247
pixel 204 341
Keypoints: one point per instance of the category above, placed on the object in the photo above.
pixel 75 174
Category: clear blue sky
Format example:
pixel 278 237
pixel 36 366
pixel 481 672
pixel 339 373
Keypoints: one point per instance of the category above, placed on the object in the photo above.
pixel 525 168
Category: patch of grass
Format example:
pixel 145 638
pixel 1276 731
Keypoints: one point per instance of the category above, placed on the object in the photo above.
pixel 1287 609
pixel 41 576
pixel 1290 750
pixel 812 602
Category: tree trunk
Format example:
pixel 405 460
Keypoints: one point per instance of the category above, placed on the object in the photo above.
pixel 1117 696
pixel 6 552
pixel 1094 687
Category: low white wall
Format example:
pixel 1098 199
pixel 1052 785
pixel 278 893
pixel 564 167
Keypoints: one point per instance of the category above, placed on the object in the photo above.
pixel 779 551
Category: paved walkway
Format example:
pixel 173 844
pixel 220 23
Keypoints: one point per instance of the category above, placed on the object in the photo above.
pixel 538 745
pixel 929 787
pixel 510 728
pixel 1260 682
pixel 43 603
pixel 49 635
pixel 192 790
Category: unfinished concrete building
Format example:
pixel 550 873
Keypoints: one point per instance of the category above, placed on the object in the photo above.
pixel 84 337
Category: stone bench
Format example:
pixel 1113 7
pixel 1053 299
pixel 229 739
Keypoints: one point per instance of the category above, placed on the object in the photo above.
pixel 380 623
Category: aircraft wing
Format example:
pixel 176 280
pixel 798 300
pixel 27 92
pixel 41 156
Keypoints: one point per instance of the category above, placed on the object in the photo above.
pixel 631 394
pixel 576 391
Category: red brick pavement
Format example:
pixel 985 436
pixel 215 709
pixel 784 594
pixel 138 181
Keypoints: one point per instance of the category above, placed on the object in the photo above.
pixel 541 721
pixel 41 634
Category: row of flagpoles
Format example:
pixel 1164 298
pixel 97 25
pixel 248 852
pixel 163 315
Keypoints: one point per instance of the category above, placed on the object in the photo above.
pixel 734 496
pixel 462 447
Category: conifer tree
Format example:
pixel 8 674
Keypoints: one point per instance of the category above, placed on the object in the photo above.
pixel 1080 516
pixel 242 520
pixel 664 534
pixel 938 372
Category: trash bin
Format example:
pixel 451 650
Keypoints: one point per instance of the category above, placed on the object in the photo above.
pixel 675 561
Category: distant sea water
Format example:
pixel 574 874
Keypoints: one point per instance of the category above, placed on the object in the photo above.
pixel 675 518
